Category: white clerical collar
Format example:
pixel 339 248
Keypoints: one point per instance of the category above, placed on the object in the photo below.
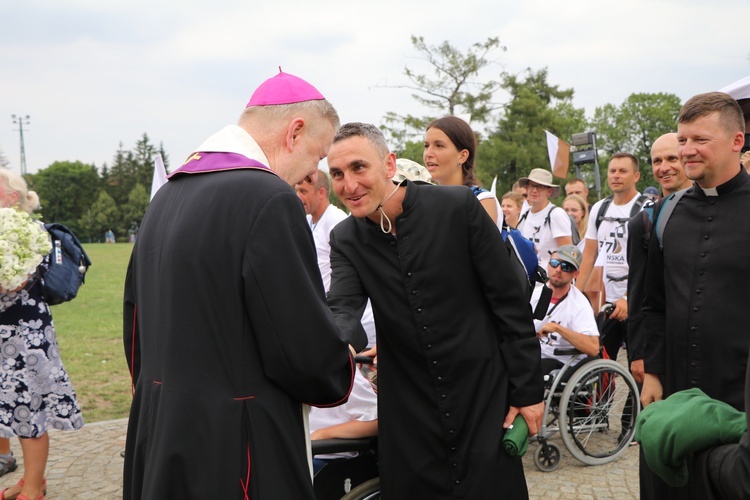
pixel 710 191
pixel 234 139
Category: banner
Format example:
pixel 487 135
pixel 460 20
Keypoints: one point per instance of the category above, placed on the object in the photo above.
pixel 160 175
pixel 559 155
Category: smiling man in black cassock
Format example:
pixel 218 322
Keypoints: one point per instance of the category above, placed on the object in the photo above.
pixel 457 350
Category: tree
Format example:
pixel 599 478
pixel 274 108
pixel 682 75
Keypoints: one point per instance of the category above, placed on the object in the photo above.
pixel 519 144
pixel 122 176
pixel 134 210
pixel 633 126
pixel 450 89
pixel 102 215
pixel 66 190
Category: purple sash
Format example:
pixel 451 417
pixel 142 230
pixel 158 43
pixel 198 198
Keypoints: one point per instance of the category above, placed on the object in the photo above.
pixel 200 163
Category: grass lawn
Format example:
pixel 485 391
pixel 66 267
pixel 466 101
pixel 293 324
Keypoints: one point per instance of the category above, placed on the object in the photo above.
pixel 89 330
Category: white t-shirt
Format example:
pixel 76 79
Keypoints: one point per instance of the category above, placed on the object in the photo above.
pixel 322 236
pixel 362 405
pixel 612 239
pixel 573 312
pixel 487 194
pixel 543 235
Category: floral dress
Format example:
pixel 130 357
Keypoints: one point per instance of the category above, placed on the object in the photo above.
pixel 35 392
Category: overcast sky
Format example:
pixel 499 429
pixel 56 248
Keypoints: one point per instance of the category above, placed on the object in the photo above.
pixel 95 73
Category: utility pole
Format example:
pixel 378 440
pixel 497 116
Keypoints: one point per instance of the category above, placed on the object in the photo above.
pixel 21 121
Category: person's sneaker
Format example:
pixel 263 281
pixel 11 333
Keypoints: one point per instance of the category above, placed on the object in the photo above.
pixel 7 464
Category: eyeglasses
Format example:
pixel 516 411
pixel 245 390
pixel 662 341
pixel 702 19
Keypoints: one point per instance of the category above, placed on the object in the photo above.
pixel 565 266
pixel 538 187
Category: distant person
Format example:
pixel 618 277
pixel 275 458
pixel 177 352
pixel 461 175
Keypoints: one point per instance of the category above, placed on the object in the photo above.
pixel 696 299
pixel 323 216
pixel 226 327
pixel 458 357
pixel 669 173
pixel 651 193
pixel 544 223
pixel 358 417
pixel 517 188
pixel 578 210
pixel 577 187
pixel 37 394
pixel 607 235
pixel 511 206
pixel 450 149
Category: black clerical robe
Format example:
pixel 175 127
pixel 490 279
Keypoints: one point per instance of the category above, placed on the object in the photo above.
pixel 456 343
pixel 697 294
pixel 226 332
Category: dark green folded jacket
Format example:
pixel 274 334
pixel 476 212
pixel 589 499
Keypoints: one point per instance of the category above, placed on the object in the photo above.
pixel 686 422
pixel 516 439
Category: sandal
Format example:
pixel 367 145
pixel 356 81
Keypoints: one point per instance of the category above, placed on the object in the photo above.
pixel 7 464
pixel 22 497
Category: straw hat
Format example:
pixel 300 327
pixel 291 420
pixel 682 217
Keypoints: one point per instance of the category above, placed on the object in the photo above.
pixel 542 177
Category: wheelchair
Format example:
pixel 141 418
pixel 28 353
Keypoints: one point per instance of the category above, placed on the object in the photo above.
pixel 353 478
pixel 593 406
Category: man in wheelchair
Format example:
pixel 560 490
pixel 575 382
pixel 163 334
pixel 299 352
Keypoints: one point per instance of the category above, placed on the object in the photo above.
pixel 569 323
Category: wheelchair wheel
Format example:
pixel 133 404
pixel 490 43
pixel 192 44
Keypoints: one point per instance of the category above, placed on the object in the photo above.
pixel 598 409
pixel 369 490
pixel 547 460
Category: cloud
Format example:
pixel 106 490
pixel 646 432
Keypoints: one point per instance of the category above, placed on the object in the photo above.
pixel 93 74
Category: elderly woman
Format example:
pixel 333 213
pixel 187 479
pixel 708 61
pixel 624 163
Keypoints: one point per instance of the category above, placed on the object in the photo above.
pixel 36 392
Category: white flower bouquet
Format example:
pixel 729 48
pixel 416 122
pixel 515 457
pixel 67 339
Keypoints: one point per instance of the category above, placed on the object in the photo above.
pixel 23 245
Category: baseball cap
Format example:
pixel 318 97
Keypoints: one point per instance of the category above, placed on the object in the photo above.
pixel 570 254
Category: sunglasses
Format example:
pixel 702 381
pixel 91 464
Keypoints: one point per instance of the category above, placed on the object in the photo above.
pixel 565 266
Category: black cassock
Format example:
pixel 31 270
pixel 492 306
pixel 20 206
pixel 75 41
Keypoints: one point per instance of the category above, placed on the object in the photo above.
pixel 226 332
pixel 697 297
pixel 456 343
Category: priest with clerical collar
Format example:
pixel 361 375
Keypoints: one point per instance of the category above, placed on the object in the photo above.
pixel 697 290
pixel 226 328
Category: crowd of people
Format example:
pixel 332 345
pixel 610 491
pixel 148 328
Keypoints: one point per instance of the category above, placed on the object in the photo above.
pixel 248 295
pixel 417 276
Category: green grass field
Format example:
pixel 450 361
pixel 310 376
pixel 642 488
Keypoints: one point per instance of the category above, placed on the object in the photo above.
pixel 89 330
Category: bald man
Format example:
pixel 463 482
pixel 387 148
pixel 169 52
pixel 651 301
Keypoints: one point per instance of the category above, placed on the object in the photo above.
pixel 669 173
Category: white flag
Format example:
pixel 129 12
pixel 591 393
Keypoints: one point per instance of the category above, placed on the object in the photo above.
pixel 160 175
pixel 559 155
pixel 493 189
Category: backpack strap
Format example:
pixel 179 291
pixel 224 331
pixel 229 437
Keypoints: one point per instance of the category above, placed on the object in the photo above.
pixel 666 210
pixel 647 215
pixel 477 190
pixel 638 205
pixel 523 217
pixel 603 210
pixel 549 214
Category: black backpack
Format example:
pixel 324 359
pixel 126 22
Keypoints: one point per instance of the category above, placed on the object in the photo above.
pixel 68 264
pixel 573 226
pixel 602 215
